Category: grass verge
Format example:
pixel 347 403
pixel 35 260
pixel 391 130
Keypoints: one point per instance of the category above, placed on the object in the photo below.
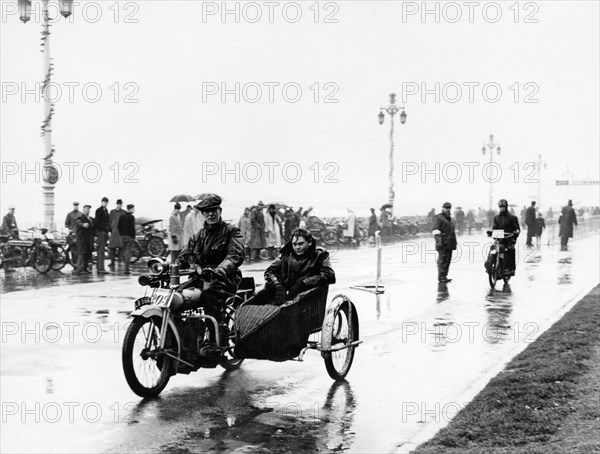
pixel 546 400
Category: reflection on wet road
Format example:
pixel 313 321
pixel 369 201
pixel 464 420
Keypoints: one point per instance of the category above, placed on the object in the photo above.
pixel 428 349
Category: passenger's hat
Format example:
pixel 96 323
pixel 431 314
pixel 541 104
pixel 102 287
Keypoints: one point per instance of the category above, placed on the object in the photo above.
pixel 447 205
pixel 210 202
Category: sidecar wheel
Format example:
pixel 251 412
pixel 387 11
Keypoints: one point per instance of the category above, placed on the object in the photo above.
pixel 147 370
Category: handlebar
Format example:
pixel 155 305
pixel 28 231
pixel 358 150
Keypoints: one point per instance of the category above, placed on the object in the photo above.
pixel 506 235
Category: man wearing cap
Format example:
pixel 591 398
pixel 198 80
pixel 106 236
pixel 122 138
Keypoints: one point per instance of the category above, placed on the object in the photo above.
pixel 126 227
pixel 175 232
pixel 257 233
pixel 510 224
pixel 219 250
pixel 102 221
pixel 9 224
pixel 567 219
pixel 71 226
pixel 85 240
pixel 445 241
pixel 115 241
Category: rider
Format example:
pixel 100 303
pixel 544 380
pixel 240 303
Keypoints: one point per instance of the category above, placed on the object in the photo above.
pixel 219 249
pixel 510 224
pixel 300 266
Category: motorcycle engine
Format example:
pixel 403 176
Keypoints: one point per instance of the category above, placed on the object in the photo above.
pixel 193 331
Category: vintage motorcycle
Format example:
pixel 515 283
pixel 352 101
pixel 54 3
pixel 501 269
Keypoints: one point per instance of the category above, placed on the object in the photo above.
pixel 165 339
pixel 35 252
pixel 495 265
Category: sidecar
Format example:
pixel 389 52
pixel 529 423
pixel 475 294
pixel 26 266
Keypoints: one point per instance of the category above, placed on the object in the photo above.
pixel 281 333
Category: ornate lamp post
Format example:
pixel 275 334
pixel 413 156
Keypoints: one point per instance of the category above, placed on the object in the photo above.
pixel 392 110
pixel 490 146
pixel 50 173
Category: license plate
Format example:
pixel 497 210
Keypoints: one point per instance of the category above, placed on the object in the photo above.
pixel 498 234
pixel 161 297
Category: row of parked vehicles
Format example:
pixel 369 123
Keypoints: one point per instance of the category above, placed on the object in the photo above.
pixel 46 251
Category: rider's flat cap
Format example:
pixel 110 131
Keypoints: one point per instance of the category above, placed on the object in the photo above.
pixel 447 205
pixel 210 202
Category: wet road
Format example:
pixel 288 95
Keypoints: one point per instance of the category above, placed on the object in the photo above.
pixel 427 350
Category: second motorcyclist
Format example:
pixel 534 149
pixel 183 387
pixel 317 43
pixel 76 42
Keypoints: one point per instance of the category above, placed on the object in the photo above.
pixel 510 224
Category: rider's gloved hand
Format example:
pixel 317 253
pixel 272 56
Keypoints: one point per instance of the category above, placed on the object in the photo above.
pixel 207 274
pixel 298 287
pixel 279 294
pixel 220 272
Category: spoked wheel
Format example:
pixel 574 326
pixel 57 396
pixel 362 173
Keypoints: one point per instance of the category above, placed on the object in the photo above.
pixel 329 238
pixel 493 275
pixel 339 360
pixel 60 258
pixel 147 369
pixel 42 260
pixel 231 363
pixel 156 247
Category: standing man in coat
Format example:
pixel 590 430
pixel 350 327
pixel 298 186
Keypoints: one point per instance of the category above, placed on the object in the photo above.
pixel 350 223
pixel 245 229
pixel 445 241
pixel 373 227
pixel 71 226
pixel 175 232
pixel 386 224
pixel 102 221
pixel 272 231
pixel 530 223
pixel 9 224
pixel 126 228
pixel 85 240
pixel 191 225
pixel 566 220
pixel 115 243
pixel 257 234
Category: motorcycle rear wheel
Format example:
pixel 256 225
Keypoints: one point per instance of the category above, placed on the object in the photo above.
pixel 60 258
pixel 146 369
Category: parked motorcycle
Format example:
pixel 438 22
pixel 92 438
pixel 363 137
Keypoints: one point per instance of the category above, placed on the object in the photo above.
pixel 18 253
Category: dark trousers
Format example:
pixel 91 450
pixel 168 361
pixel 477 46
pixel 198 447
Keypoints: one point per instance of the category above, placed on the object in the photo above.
pixel 564 240
pixel 102 237
pixel 443 262
pixel 84 254
pixel 127 250
pixel 530 234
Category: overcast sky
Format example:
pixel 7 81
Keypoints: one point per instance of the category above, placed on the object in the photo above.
pixel 311 79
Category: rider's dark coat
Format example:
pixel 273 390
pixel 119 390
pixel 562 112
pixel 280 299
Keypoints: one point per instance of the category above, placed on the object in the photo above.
pixel 312 268
pixel 507 222
pixel 221 246
pixel 443 223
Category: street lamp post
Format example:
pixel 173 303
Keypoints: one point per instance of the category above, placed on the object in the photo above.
pixel 392 110
pixel 50 173
pixel 541 166
pixel 491 146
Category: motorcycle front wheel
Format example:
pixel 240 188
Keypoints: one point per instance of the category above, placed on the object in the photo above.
pixel 42 260
pixel 147 369
pixel 493 274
